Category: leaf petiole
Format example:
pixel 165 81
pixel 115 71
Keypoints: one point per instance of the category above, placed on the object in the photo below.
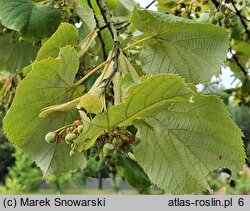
pixel 137 42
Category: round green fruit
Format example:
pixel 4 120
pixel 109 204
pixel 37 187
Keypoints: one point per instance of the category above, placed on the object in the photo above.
pixel 50 137
pixel 70 137
pixel 231 15
pixel 212 20
pixel 219 16
pixel 223 8
pixel 225 22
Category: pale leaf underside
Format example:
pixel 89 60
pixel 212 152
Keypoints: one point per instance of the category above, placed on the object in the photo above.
pixel 188 141
pixel 193 50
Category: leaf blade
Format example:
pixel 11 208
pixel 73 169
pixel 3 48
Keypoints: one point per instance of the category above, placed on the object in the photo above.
pixel 31 20
pixel 15 56
pixel 48 83
pixel 188 141
pixel 193 50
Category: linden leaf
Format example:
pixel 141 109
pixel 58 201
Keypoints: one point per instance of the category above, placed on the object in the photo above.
pixel 14 56
pixel 32 20
pixel 191 49
pixel 47 83
pixel 188 140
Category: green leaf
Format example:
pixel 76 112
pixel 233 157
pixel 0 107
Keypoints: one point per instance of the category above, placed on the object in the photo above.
pixel 143 99
pixel 194 50
pixel 33 21
pixel 66 34
pixel 133 173
pixel 187 141
pixel 166 5
pixel 50 82
pixel 14 56
pixel 121 8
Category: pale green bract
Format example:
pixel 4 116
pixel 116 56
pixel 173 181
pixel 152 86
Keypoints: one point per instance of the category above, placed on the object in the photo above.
pixel 193 50
pixel 33 21
pixel 186 142
pixel 50 82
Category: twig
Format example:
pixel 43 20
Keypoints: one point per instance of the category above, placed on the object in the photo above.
pixel 239 64
pixel 124 26
pixel 115 24
pixel 107 18
pixel 241 19
pixel 237 12
pixel 120 23
pixel 150 4
pixel 115 66
pixel 103 27
pixel 99 32
pixel 216 3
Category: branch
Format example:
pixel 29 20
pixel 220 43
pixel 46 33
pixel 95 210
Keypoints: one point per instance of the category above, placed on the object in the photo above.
pixel 241 19
pixel 240 15
pixel 216 3
pixel 237 12
pixel 115 66
pixel 123 26
pixel 99 32
pixel 150 4
pixel 107 18
pixel 238 63
pixel 123 23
